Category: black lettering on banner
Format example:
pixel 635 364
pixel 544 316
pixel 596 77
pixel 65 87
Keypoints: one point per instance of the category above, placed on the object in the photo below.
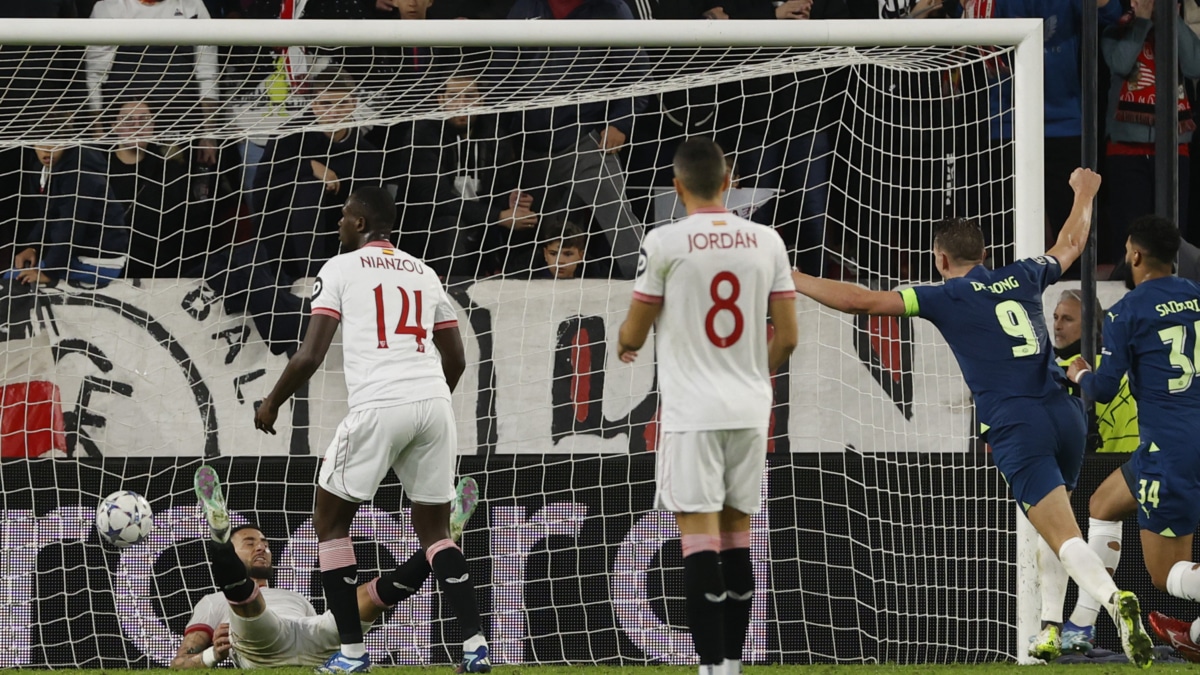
pixel 198 302
pixel 884 345
pixel 246 379
pixel 577 390
pixel 82 416
pixel 236 337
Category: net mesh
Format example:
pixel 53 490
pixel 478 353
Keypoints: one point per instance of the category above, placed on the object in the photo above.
pixel 182 199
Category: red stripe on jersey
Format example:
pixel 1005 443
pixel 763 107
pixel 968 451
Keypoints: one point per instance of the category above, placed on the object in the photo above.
pixel 452 323
pixel 328 312
pixel 649 299
pixel 782 295
pixel 199 627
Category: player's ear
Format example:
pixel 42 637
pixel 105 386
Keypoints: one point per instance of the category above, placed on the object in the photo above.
pixel 726 182
pixel 678 188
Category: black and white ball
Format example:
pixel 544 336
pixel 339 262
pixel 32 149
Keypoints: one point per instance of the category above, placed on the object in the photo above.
pixel 124 518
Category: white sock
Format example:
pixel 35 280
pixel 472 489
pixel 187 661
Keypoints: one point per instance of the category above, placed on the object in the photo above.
pixel 474 642
pixel 1086 568
pixel 1184 581
pixel 733 667
pixel 354 651
pixel 712 670
pixel 1195 632
pixel 1053 578
pixel 1104 538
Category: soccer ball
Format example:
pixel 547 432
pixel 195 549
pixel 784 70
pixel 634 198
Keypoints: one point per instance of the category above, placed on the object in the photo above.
pixel 124 518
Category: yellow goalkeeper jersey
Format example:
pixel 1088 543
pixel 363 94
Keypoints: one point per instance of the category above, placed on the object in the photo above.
pixel 1117 420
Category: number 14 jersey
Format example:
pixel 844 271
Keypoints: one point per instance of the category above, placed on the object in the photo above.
pixel 714 274
pixel 389 304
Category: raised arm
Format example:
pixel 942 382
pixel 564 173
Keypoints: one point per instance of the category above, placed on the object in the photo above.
pixel 1074 233
pixel 849 298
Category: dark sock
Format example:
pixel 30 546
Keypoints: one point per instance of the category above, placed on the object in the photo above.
pixel 404 581
pixel 739 598
pixel 450 567
pixel 339 576
pixel 704 591
pixel 230 572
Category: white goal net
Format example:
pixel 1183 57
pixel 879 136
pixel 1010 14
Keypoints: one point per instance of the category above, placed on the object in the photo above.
pixel 170 204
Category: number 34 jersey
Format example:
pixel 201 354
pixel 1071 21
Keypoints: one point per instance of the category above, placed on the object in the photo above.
pixel 389 304
pixel 714 274
pixel 994 324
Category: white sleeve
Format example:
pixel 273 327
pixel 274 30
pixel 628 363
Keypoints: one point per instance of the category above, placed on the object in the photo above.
pixel 782 287
pixel 445 316
pixel 206 59
pixel 99 60
pixel 210 612
pixel 651 272
pixel 327 290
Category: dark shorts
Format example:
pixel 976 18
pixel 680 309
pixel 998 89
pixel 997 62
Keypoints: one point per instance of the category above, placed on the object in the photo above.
pixel 1165 481
pixel 1040 446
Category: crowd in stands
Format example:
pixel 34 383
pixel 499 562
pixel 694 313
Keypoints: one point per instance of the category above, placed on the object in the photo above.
pixel 537 192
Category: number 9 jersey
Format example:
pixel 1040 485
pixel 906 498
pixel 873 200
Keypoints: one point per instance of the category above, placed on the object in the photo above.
pixel 389 303
pixel 714 274
pixel 994 323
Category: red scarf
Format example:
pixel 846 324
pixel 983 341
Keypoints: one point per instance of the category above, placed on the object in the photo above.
pixel 1135 105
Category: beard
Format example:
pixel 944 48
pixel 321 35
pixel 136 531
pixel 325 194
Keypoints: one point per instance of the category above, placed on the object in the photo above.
pixel 266 573
pixel 1127 276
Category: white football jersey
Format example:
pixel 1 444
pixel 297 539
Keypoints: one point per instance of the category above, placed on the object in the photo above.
pixel 389 304
pixel 714 274
pixel 213 609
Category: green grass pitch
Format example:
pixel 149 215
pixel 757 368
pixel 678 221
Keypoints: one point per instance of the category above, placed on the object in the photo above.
pixel 988 669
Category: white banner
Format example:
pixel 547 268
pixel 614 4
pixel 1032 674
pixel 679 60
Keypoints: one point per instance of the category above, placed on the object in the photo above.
pixel 158 368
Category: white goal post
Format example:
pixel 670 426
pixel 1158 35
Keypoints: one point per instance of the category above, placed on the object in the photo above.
pixel 832 43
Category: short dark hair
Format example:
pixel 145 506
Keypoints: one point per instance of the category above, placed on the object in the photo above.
pixel 959 238
pixel 330 79
pixel 700 166
pixel 246 526
pixel 569 234
pixel 377 207
pixel 1157 237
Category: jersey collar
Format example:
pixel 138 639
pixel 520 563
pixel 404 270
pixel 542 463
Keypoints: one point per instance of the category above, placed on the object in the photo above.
pixel 709 209
pixel 378 244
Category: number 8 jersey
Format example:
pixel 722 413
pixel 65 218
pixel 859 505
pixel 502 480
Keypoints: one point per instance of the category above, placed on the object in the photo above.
pixel 714 274
pixel 389 304
pixel 994 323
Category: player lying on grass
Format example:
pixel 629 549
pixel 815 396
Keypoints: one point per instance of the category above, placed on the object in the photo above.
pixel 710 281
pixel 263 627
pixel 993 322
pixel 398 382
pixel 1152 335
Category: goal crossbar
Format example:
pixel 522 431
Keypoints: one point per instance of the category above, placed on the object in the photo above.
pixel 438 33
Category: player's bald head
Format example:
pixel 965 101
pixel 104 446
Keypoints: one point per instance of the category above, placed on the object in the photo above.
pixel 960 239
pixel 375 206
pixel 1157 238
pixel 700 168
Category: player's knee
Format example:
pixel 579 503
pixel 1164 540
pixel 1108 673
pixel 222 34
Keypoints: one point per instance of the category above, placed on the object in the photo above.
pixel 1101 507
pixel 1158 577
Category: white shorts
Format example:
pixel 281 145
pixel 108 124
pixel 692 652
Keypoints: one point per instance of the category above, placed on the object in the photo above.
pixel 269 640
pixel 705 471
pixel 416 440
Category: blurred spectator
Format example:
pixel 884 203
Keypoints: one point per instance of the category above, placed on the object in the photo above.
pixel 1114 427
pixel 72 227
pixel 153 192
pixel 1129 51
pixel 1062 37
pixel 572 148
pixel 795 152
pixel 466 169
pixel 563 252
pixel 896 9
pixel 34 79
pixel 180 81
pixel 306 177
